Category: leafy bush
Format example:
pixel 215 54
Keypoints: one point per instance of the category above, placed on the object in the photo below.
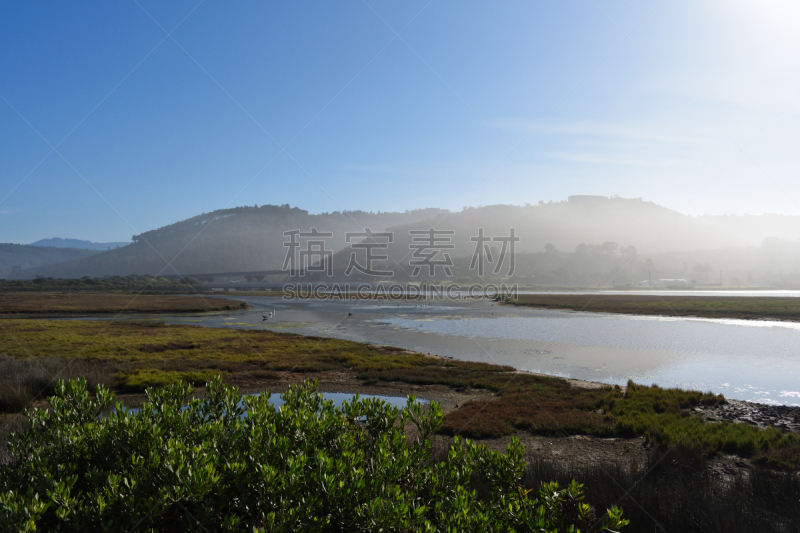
pixel 218 465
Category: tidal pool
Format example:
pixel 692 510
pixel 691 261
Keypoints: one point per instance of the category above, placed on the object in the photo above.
pixel 339 397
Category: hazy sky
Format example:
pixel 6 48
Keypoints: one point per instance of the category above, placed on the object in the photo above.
pixel 692 105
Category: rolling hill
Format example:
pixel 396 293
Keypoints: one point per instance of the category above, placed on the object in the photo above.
pixel 251 238
pixel 238 239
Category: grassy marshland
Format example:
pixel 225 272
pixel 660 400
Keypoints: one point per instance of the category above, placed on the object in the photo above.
pixel 53 303
pixel 136 355
pixel 699 306
pixel 131 283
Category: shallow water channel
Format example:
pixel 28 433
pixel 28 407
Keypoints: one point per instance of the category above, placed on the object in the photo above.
pixel 339 397
pixel 747 360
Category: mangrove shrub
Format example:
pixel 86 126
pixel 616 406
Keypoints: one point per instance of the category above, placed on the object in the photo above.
pixel 227 463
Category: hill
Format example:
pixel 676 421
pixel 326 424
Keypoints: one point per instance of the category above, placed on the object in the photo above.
pixel 238 239
pixel 58 242
pixel 251 238
pixel 597 241
pixel 15 258
pixel 648 227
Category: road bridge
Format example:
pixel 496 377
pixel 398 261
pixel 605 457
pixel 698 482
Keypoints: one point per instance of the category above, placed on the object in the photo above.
pixel 258 275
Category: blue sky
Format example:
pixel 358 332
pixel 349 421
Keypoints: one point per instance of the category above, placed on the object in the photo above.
pixel 322 105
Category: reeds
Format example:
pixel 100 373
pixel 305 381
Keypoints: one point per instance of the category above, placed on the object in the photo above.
pixel 679 492
pixel 23 381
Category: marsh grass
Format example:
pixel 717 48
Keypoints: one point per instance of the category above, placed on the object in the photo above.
pixel 265 374
pixel 23 381
pixel 679 492
pixel 152 354
pixel 540 413
pixel 659 414
pixel 57 303
pixel 141 379
pixel 132 284
pixel 152 342
pixel 667 305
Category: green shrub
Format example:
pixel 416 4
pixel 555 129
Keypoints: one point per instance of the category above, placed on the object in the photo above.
pixel 218 465
pixel 144 378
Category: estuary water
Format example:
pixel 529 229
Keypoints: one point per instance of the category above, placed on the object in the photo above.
pixel 336 397
pixel 743 359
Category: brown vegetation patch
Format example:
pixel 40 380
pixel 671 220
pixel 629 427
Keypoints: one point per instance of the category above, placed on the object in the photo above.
pixel 24 381
pixel 557 414
pixel 32 303
pixel 160 348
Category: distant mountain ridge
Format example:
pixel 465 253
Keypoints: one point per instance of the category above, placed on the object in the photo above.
pixel 58 242
pixel 252 238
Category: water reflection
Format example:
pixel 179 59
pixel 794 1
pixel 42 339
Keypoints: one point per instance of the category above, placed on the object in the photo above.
pixel 339 397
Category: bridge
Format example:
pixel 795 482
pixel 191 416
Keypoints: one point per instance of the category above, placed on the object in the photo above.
pixel 258 275
pixel 221 280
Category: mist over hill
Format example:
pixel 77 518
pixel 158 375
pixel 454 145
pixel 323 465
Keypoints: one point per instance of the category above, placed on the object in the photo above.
pixel 584 219
pixel 58 242
pixel 238 239
pixel 583 235
pixel 16 258
pixel 753 229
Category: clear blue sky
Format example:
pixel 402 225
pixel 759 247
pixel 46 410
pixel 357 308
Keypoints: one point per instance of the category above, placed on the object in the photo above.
pixel 692 105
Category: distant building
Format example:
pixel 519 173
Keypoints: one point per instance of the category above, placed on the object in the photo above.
pixel 653 283
pixel 585 198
